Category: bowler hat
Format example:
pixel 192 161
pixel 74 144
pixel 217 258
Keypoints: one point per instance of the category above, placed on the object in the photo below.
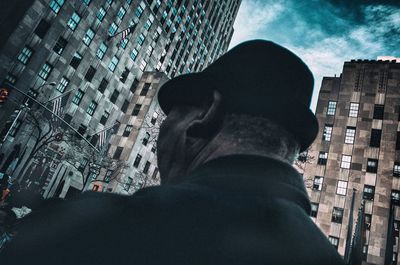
pixel 256 77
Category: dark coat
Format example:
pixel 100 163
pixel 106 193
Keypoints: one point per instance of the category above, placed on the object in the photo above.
pixel 234 210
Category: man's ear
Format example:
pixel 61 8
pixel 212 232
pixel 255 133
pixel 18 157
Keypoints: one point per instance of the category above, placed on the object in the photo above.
pixel 209 121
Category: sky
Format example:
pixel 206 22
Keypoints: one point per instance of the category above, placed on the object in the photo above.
pixel 324 33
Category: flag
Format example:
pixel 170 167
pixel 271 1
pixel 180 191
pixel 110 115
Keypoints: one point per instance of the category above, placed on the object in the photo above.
pixel 356 252
pixel 126 32
pixel 102 139
pixel 57 109
pixel 105 134
pixel 349 230
pixel 390 240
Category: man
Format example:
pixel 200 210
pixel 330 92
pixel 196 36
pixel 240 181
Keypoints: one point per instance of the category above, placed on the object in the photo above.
pixel 229 194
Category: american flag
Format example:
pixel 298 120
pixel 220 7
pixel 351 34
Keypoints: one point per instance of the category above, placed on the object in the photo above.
pixel 126 32
pixel 57 108
pixel 105 135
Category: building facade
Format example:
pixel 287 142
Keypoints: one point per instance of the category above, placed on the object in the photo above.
pixel 358 149
pixel 70 55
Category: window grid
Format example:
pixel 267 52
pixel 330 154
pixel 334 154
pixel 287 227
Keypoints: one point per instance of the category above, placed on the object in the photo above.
pixel 353 112
pixel 88 37
pixel 63 84
pixel 331 108
pixel 346 161
pixel 45 71
pixel 341 188
pixel 146 167
pixel 372 165
pixel 134 54
pixel 337 215
pixel 375 140
pixel 350 134
pixel 127 130
pixel 74 21
pixel 396 169
pixel 317 184
pixel 25 55
pixel 101 50
pixel 113 63
pixel 378 111
pixel 136 109
pixel 314 209
pixel 140 39
pixel 137 160
pixel 327 133
pixel 112 29
pixel 334 241
pixel 101 14
pixel 322 158
pixel 121 13
pixel 92 108
pixel 60 45
pixel 78 97
pixel 368 192
pixel 56 5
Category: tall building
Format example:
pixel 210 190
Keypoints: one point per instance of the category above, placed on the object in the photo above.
pixel 358 148
pixel 71 56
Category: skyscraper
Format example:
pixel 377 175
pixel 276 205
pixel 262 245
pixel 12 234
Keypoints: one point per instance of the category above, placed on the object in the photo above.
pixel 358 148
pixel 84 60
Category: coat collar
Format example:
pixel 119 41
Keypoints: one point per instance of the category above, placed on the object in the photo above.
pixel 253 176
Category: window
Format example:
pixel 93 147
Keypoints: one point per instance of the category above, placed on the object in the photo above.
pixel 104 118
pixel 108 175
pixel 87 2
pixel 42 28
pixel 334 241
pixel 372 165
pixel 76 60
pixel 45 71
pixel 341 188
pixel 90 73
pixel 11 79
pixel 337 215
pixel 396 169
pixel 124 75
pixel 368 192
pixel 346 161
pixel 74 21
pixel 134 85
pixel 145 89
pixel 327 133
pixel 110 2
pixel 113 63
pixel 127 130
pixel 60 45
pixel 153 148
pixel 314 209
pixel 322 158
pixel 92 108
pixel 103 85
pixel 154 118
pixel 146 139
pixel 395 196
pixel 101 14
pixel 88 37
pixel 118 152
pixel 146 167
pixel 112 29
pixel 101 50
pixel 350 133
pixel 78 97
pixel 140 39
pixel 134 54
pixel 137 161
pixel 25 55
pixel 124 107
pixel 139 11
pixel 143 65
pixel 114 96
pixel 375 140
pixel 331 108
pixel 121 13
pixel 149 22
pixel 123 43
pixel 353 112
pixel 317 184
pixel 367 221
pixel 398 141
pixel 136 109
pixel 63 84
pixel 128 184
pixel 378 112
pixel 56 5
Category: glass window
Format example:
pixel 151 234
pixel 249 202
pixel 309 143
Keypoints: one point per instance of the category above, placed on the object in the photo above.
pixel 139 10
pixel 113 63
pixel 45 71
pixel 88 37
pixel 56 5
pixel 123 43
pixel 353 112
pixel 375 140
pixel 78 97
pixel 92 108
pixel 74 21
pixel 112 29
pixel 118 152
pixel 145 89
pixel 368 192
pixel 143 65
pixel 136 109
pixel 378 111
pixel 127 130
pixel 146 139
pixel 317 184
pixel 154 118
pixel 337 215
pixel 125 106
pixel 25 55
pixel 87 2
pixel 128 184
pixel 327 133
pixel 63 84
pixel 134 54
pixel 372 165
pixel 60 45
pixel 334 241
pixel 146 167
pixel 322 158
pixel 101 50
pixel 90 73
pixel 346 161
pixel 341 188
pixel 114 96
pixel 396 169
pixel 395 196
pixel 103 85
pixel 121 13
pixel 137 161
pixel 350 134
pixel 101 14
pixel 331 108
pixel 76 60
pixel 314 209
pixel 104 118
pixel 141 39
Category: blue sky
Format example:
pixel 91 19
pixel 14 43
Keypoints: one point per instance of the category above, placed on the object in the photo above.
pixel 324 33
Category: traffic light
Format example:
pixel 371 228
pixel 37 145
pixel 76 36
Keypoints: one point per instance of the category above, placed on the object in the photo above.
pixel 4 92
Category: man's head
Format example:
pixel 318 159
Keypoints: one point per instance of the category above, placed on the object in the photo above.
pixel 253 100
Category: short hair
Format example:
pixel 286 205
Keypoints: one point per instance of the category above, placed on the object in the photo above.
pixel 261 134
